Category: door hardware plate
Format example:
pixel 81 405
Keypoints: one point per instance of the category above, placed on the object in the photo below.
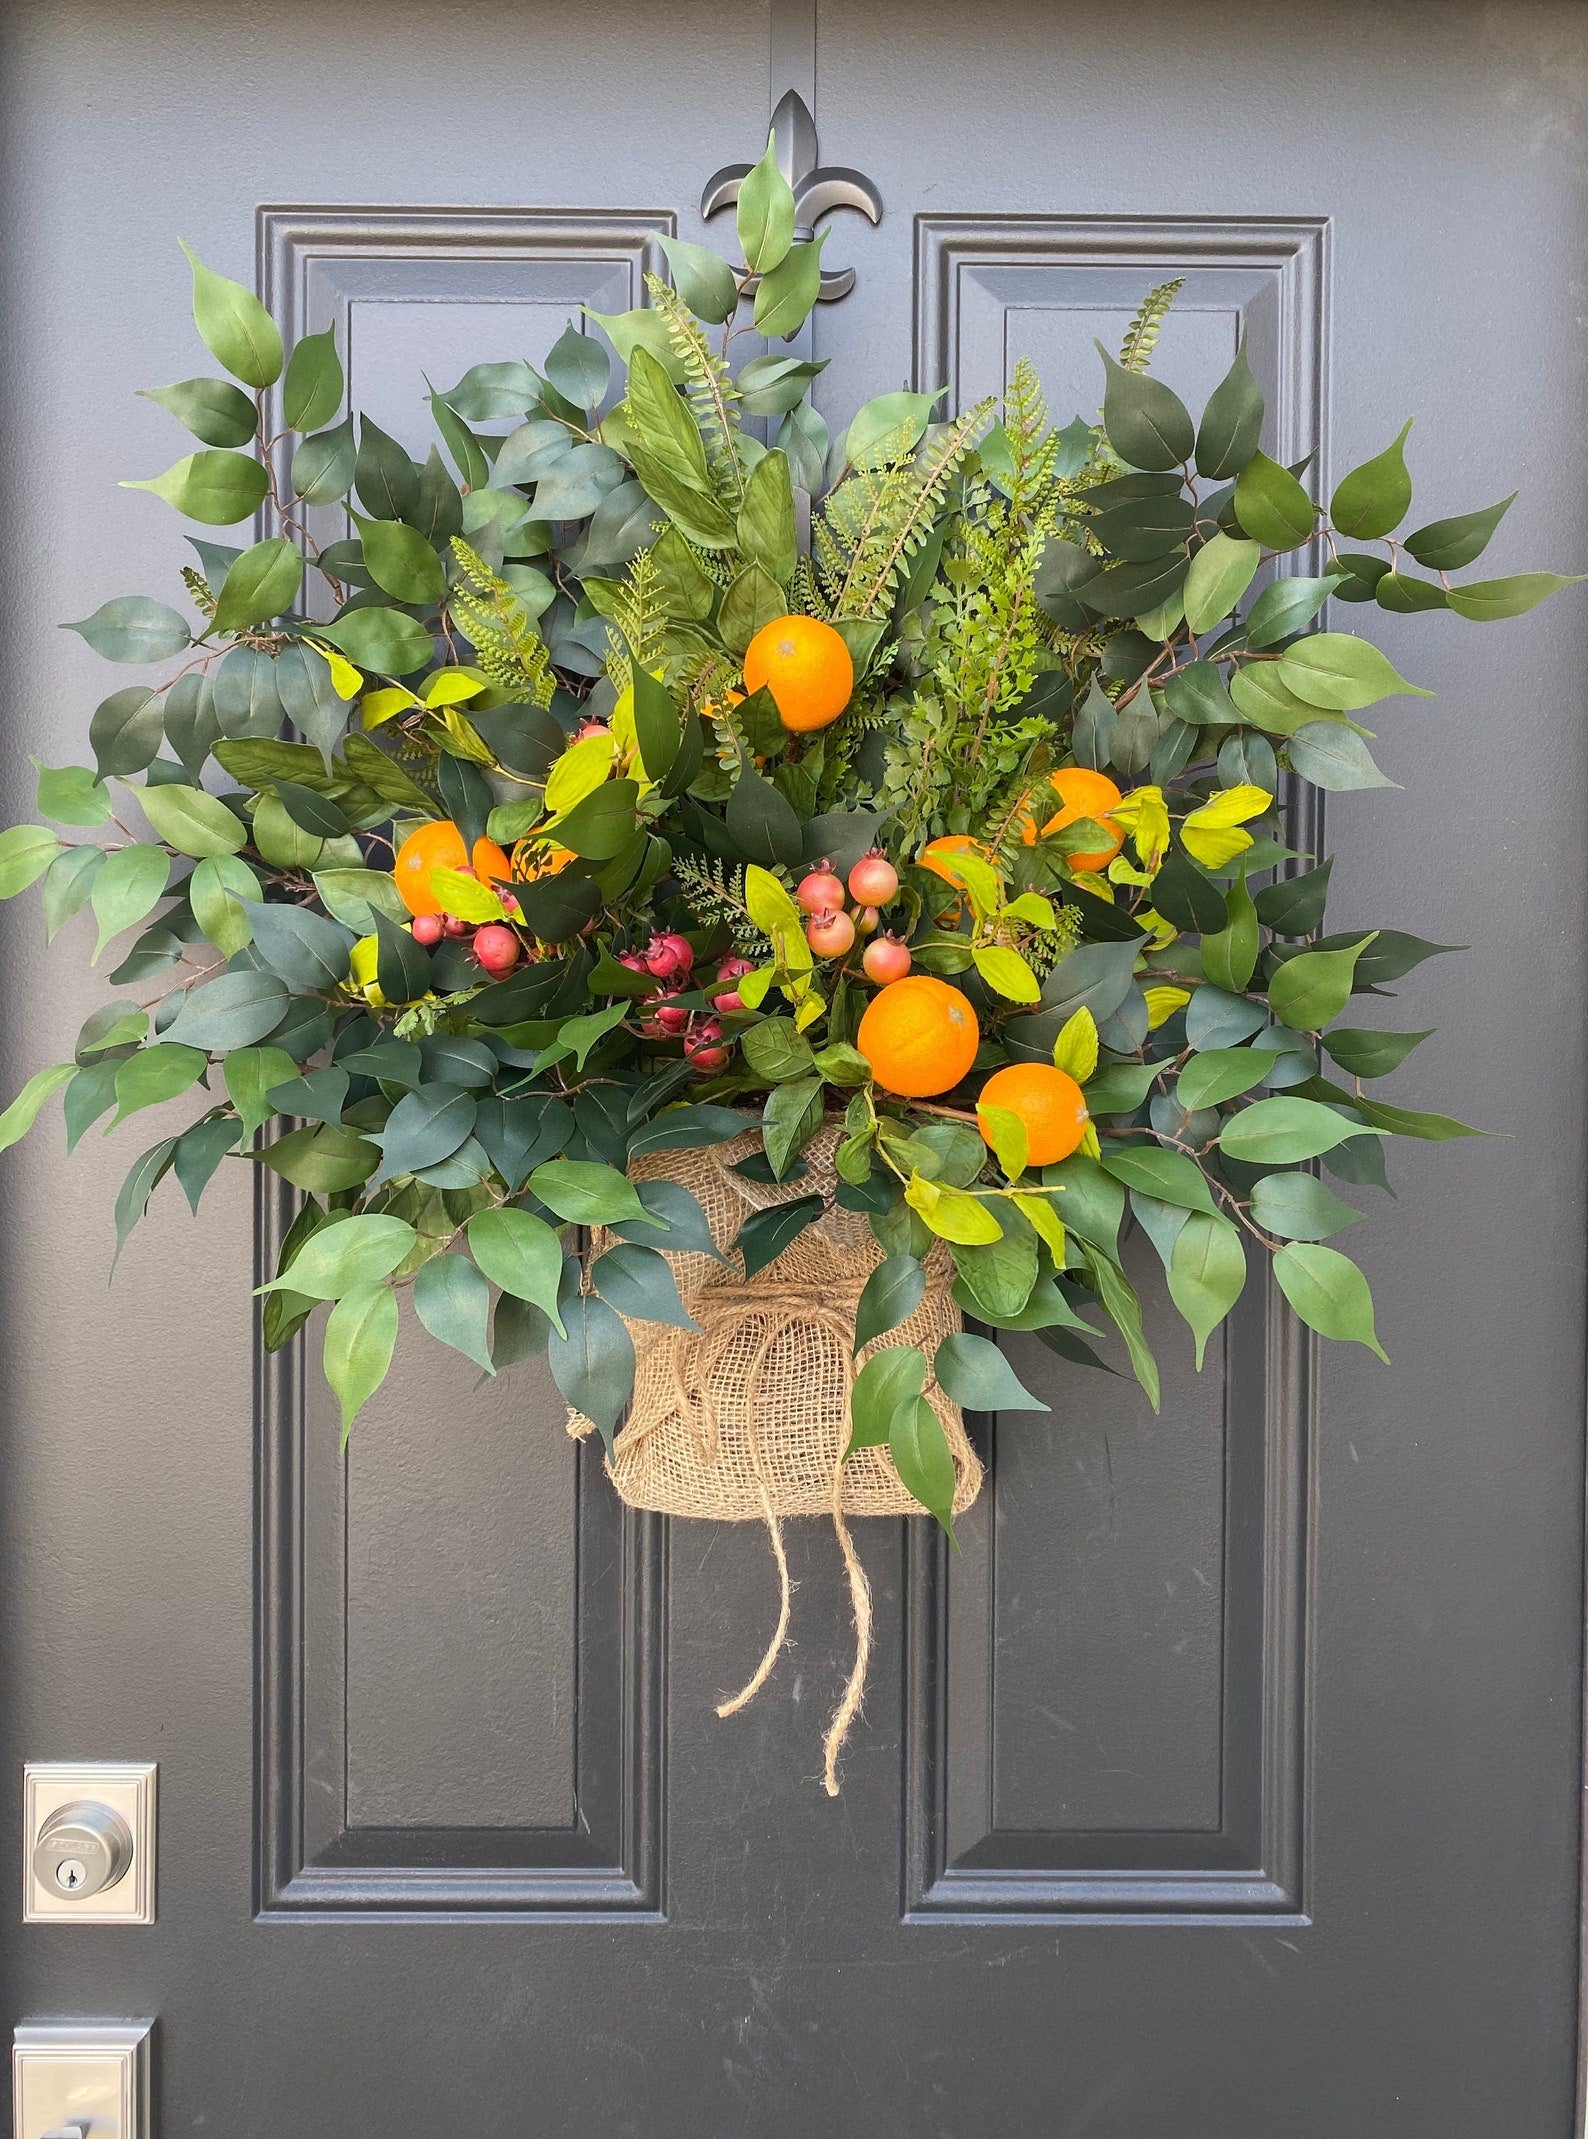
pixel 91 2074
pixel 127 1789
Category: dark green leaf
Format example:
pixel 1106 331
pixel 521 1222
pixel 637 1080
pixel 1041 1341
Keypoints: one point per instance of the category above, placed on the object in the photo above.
pixel 322 467
pixel 890 1296
pixel 1294 906
pixel 133 1200
pixel 424 1128
pixel 212 409
pixel 386 479
pixel 703 279
pixel 1271 505
pixel 133 629
pixel 233 1010
pixel 1295 1206
pixel 1288 606
pixel 1148 425
pixel 309 952
pixel 453 1301
pixel 639 1284
pixel 593 1364
pixel 977 1375
pixel 1231 423
pixel 792 1116
pixel 765 1234
pixel 402 967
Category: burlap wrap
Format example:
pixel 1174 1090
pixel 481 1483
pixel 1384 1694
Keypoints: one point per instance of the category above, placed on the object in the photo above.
pixel 748 1421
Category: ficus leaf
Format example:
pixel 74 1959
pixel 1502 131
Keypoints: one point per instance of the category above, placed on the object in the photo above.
pixel 236 328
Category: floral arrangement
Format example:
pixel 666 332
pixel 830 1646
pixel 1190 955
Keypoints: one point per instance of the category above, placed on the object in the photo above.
pixel 621 779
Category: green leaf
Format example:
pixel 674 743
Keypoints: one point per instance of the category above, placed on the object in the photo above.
pixel 322 467
pixel 1147 423
pixel 232 1010
pixel 787 294
pixel 1283 1131
pixel 792 1116
pixel 766 518
pixel 324 1160
pixel 1231 423
pixel 26 851
pixel 922 1457
pixel 312 393
pixel 1221 571
pixel 1222 1073
pixel 1335 670
pixel 1315 986
pixel 951 1214
pixel 578 367
pixel 129 886
pixel 67 884
pixel 1207 1269
pixel 888 427
pixel 360 1337
pixel 401 563
pixel 1123 1309
pixel 1007 1133
pixel 302 947
pixel 1295 905
pixel 762 823
pixel 1295 1206
pixel 765 214
pixel 383 640
pixel 23 1111
pixel 251 1074
pixel 753 600
pixel 199 1152
pixel 355 896
pixel 702 278
pixel 601 826
pixel 1075 1049
pixel 192 821
pixel 775 1051
pixel 890 1379
pixel 216 488
pixel 686 1129
pixel 890 1296
pixel 1091 1202
pixel 774 385
pixel 453 1301
pixel 1170 1176
pixel 1486 601
pixel 349 1253
pixel 1271 505
pixel 1288 606
pixel 142 1179
pixel 585 1193
pixel 592 1363
pixel 1260 694
pixel 639 1284
pixel 1407 1121
pixel 1334 758
pixel 218 413
pixel 236 328
pixel 125 731
pixel 657 726
pixel 133 629
pixel 387 480
pixel 468 457
pixel 1451 545
pixel 977 1375
pixel 1362 1052
pixel 262 584
pixel 1376 497
pixel 1006 972
pixel 156 1073
pixel 424 1128
pixel 1329 1293
pixel 765 1234
pixel 1230 956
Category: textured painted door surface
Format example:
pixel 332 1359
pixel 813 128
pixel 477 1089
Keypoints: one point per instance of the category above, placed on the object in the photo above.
pixel 1227 1786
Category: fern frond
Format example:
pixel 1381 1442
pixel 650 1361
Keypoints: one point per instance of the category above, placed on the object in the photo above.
pixel 713 397
pixel 1141 336
pixel 491 617
pixel 878 519
pixel 634 610
pixel 713 896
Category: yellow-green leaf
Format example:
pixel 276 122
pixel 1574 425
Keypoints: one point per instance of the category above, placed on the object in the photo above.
pixel 1075 1049
pixel 465 896
pixel 1006 1132
pixel 1044 1221
pixel 1007 972
pixel 951 1214
pixel 580 770
pixel 1210 833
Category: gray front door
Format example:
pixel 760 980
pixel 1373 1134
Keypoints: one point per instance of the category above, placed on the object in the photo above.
pixel 1227 1786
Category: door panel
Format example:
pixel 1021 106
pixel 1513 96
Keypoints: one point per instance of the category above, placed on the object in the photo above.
pixel 1228 1782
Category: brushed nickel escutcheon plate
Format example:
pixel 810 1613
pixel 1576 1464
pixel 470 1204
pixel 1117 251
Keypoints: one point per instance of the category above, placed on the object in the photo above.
pixel 122 1789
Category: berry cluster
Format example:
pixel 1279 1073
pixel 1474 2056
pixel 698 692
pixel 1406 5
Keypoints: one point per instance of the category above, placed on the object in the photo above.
pixel 833 927
pixel 671 957
pixel 496 946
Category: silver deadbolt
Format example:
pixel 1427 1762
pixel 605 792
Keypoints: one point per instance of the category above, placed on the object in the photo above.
pixel 82 1849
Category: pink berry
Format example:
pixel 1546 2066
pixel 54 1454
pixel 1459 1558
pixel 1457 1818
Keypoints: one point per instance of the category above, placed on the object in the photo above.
pixel 821 892
pixel 668 954
pixel 426 929
pixel 453 926
pixel 873 881
pixel 708 1060
pixel 670 1018
pixel 867 920
pixel 886 960
pixel 721 990
pixel 497 948
pixel 634 962
pixel 830 934
pixel 510 905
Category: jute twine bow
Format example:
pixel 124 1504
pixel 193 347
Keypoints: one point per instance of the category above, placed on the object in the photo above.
pixel 724 1312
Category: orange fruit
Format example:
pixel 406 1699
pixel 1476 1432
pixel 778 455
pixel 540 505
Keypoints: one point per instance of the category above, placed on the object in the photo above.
pixel 1049 1102
pixel 805 664
pixel 938 856
pixel 440 846
pixel 919 1035
pixel 1084 793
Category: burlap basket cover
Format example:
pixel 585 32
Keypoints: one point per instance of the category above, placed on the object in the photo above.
pixel 748 1421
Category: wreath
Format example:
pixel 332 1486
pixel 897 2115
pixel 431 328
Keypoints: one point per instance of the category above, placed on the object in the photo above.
pixel 719 907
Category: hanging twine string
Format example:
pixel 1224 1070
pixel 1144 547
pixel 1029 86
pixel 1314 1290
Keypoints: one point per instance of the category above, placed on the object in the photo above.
pixel 746 1418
